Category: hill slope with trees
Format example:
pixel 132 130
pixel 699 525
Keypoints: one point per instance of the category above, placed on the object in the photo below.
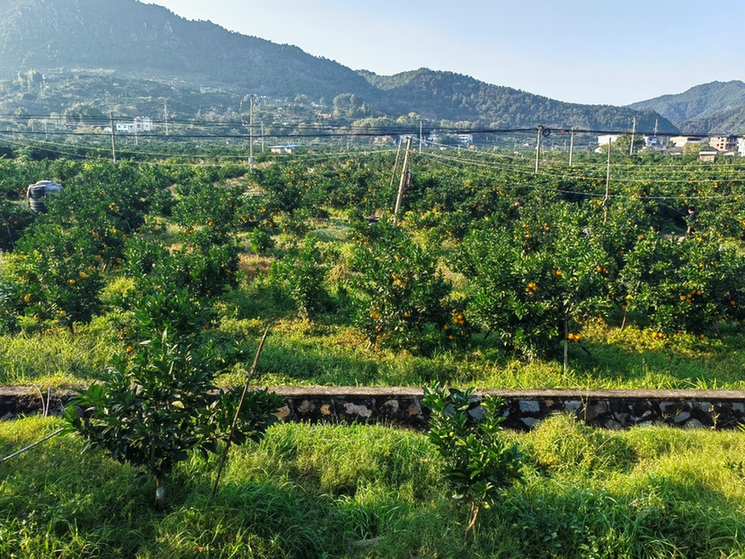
pixel 40 38
pixel 710 107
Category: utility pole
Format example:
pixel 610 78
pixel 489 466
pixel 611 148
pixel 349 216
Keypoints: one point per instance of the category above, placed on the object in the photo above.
pixel 420 137
pixel 571 146
pixel 402 183
pixel 633 133
pixel 165 114
pixel 538 148
pixel 395 165
pixel 606 200
pixel 113 140
pixel 251 134
pixel 262 137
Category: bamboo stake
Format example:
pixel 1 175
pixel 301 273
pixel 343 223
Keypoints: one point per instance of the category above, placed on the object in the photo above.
pixel 29 447
pixel 238 410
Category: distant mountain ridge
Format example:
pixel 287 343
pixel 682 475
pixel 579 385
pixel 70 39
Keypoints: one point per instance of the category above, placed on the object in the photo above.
pixel 149 41
pixel 708 108
pixel 428 92
pixel 131 36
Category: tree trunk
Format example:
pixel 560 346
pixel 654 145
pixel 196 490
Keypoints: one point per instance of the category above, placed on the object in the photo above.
pixel 160 494
pixel 566 344
pixel 474 514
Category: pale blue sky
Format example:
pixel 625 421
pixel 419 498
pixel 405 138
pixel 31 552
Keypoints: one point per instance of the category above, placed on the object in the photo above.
pixel 604 52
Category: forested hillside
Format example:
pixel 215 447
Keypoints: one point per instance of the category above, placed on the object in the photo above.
pixel 458 97
pixel 708 107
pixel 126 42
pixel 150 40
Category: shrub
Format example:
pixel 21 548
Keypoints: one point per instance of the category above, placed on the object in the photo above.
pixel 305 275
pixel 402 293
pixel 479 464
pixel 154 406
pixel 537 280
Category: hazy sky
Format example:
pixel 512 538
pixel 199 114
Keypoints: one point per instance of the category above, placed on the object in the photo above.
pixel 605 52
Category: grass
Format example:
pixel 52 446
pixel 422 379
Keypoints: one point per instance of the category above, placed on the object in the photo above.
pixel 57 358
pixel 325 353
pixel 370 492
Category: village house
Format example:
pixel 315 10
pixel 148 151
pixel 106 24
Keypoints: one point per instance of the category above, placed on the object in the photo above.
pixel 140 124
pixel 723 142
pixel 289 148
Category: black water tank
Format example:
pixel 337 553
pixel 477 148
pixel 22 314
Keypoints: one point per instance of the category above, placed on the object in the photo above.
pixel 38 191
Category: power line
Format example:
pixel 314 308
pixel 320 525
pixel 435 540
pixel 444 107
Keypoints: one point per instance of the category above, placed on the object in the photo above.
pixel 351 129
pixel 588 194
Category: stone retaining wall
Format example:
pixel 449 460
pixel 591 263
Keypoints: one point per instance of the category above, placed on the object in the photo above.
pixel 609 409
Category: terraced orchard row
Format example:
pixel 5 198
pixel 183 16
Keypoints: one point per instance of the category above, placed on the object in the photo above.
pixel 484 250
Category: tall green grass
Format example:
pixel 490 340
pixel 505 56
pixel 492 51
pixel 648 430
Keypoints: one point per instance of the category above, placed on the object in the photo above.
pixel 374 492
pixel 323 353
pixel 56 357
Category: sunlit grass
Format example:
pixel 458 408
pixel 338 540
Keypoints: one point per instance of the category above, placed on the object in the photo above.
pixel 56 358
pixel 330 351
pixel 371 491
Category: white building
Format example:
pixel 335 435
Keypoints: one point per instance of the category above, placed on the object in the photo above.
pixel 741 146
pixel 655 142
pixel 289 148
pixel 606 139
pixel 680 141
pixel 465 139
pixel 140 124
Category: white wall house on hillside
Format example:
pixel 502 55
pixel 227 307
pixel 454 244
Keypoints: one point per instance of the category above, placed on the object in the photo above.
pixel 140 124
pixel 655 142
pixel 680 141
pixel 605 139
pixel 465 139
pixel 708 155
pixel 289 148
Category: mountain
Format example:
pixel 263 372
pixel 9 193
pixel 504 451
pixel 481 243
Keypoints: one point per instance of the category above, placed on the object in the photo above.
pixel 457 97
pixel 129 36
pixel 55 53
pixel 731 121
pixel 699 104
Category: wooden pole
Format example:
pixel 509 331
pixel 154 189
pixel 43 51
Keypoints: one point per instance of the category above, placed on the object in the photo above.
pixel 113 141
pixel 606 200
pixel 251 134
pixel 402 182
pixel 238 410
pixel 538 149
pixel 395 165
pixel 571 146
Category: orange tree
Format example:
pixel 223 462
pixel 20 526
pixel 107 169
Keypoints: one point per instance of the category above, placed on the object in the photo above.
pixel 59 277
pixel 108 202
pixel 302 272
pixel 402 297
pixel 627 222
pixel 221 208
pixel 207 269
pixel 14 218
pixel 536 279
pixel 685 285
pixel 158 401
